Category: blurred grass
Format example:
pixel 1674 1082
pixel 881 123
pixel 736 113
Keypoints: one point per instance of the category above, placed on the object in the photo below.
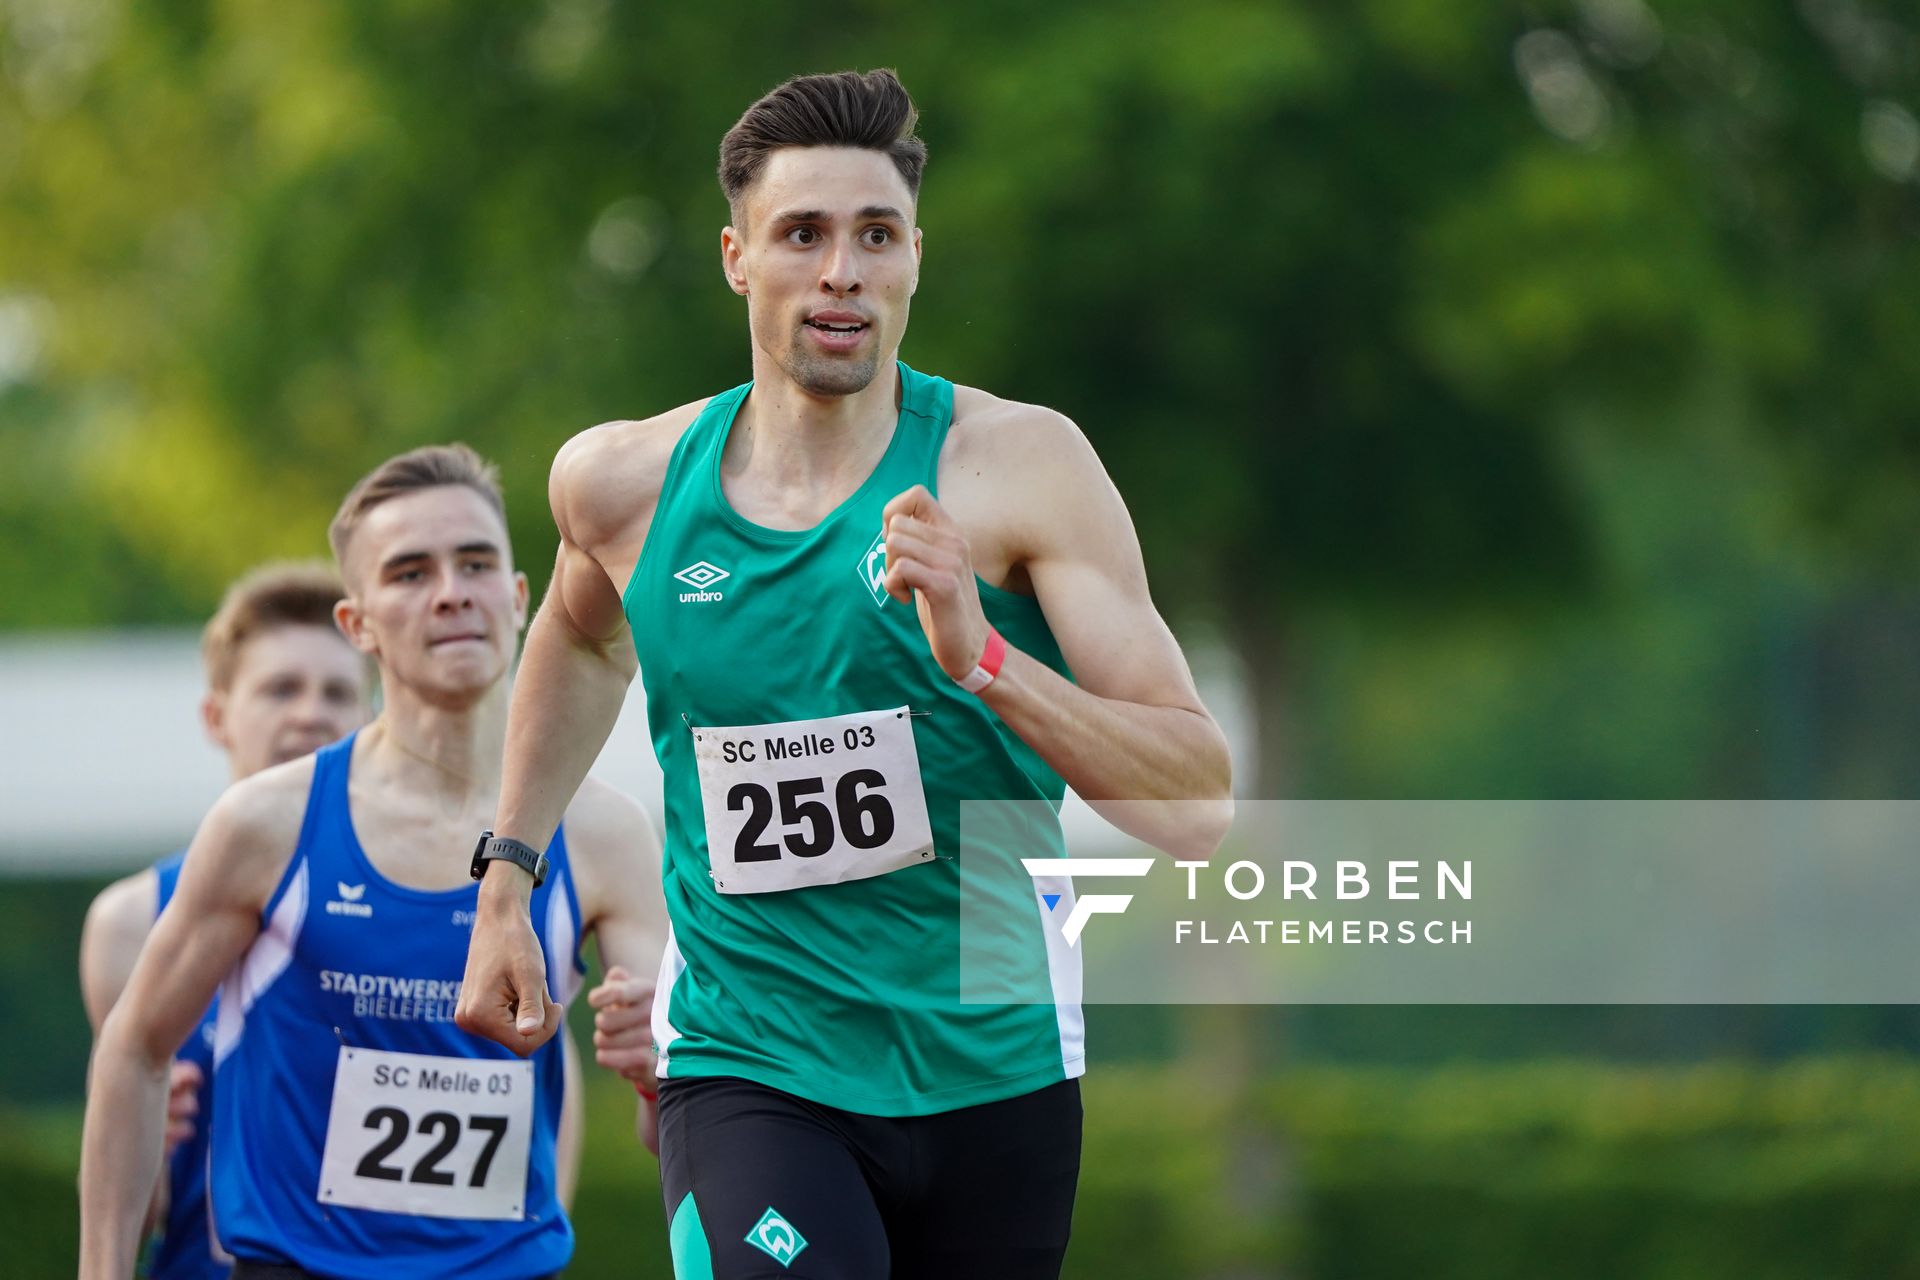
pixel 1564 1169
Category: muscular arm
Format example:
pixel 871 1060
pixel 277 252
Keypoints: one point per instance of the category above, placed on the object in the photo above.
pixel 573 678
pixel 1130 727
pixel 579 656
pixel 239 853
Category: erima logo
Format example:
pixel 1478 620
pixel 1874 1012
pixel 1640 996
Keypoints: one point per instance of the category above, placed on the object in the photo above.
pixel 349 904
pixel 774 1236
pixel 700 575
pixel 873 569
pixel 1094 904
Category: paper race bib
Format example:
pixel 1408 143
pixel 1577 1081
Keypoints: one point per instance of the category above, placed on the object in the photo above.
pixel 429 1136
pixel 812 802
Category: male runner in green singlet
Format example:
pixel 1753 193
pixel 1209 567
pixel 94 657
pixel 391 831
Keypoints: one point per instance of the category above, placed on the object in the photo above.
pixel 854 593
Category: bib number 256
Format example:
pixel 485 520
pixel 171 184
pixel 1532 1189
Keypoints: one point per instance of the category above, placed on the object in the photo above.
pixel 860 815
pixel 803 803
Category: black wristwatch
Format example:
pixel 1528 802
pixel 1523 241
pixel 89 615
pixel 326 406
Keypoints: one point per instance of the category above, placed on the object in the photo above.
pixel 523 856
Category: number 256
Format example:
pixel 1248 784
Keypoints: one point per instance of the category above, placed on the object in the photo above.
pixel 865 820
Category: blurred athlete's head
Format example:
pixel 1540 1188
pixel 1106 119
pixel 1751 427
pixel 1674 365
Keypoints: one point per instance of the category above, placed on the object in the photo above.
pixel 432 594
pixel 822 177
pixel 281 679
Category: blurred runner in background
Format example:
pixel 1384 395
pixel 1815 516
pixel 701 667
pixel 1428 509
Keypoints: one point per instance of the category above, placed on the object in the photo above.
pixel 281 682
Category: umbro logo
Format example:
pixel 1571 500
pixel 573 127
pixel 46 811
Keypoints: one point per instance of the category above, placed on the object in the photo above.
pixel 349 902
pixel 701 576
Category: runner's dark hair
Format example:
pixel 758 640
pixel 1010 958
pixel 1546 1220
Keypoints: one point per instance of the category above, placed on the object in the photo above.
pixel 844 109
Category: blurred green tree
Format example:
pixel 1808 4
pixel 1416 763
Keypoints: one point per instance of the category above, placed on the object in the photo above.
pixel 1341 293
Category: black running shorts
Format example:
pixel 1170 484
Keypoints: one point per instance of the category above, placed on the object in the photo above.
pixel 761 1185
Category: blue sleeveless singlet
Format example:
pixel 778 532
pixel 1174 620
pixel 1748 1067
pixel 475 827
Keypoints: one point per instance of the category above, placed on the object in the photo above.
pixel 358 1132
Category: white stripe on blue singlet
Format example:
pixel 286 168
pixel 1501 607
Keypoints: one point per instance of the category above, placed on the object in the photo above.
pixel 265 961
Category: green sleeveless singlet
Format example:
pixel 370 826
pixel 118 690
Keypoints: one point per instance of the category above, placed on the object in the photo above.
pixel 815 905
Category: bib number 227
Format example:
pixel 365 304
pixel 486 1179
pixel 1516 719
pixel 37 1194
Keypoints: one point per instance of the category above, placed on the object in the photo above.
pixel 395 1123
pixel 431 1136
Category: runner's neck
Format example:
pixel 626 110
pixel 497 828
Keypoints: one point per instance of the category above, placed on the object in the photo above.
pixel 784 437
pixel 456 753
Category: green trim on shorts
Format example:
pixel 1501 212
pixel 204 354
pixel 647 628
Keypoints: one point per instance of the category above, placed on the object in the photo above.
pixel 692 1256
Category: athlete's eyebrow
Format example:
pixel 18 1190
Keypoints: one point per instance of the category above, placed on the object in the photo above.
pixel 872 213
pixel 402 560
pixel 407 559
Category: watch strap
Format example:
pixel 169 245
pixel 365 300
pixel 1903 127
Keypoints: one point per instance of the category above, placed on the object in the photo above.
pixel 507 849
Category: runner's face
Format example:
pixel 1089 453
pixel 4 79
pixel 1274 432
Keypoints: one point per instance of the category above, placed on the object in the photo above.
pixel 434 596
pixel 294 690
pixel 828 260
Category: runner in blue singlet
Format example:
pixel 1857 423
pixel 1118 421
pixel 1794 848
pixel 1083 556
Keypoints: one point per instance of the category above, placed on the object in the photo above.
pixel 281 681
pixel 357 1133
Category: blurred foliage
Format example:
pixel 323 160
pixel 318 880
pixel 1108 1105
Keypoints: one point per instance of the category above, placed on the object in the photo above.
pixel 1551 1169
pixel 1371 308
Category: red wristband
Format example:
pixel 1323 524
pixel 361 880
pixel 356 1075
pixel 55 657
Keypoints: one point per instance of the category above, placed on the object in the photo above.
pixel 649 1094
pixel 989 665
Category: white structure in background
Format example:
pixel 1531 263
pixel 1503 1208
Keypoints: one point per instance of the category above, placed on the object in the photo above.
pixel 104 766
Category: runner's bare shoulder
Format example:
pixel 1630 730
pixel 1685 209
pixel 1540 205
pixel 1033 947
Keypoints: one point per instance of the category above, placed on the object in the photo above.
pixel 1014 468
pixel 604 818
pixel 248 837
pixel 607 479
pixel 993 432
